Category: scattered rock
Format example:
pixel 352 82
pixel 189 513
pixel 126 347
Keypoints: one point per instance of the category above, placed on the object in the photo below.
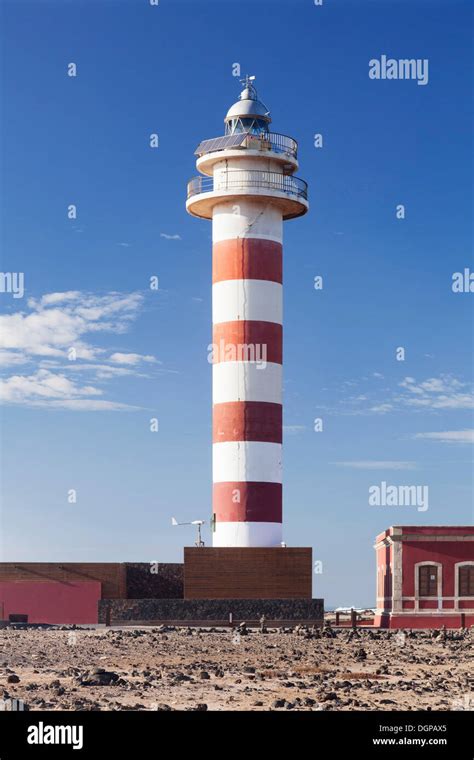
pixel 98 677
pixel 278 703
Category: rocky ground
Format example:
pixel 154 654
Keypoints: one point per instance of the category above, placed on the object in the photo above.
pixel 201 669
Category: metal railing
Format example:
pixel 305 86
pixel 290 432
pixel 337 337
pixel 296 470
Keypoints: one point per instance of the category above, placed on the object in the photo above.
pixel 282 144
pixel 268 141
pixel 248 179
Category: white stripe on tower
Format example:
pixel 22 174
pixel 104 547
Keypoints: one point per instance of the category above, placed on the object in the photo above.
pixel 246 380
pixel 252 300
pixel 229 225
pixel 247 395
pixel 254 461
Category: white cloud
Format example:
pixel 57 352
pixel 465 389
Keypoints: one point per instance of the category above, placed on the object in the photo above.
pixel 45 388
pixel 55 298
pixel 293 429
pixel 100 371
pixel 45 334
pixel 381 408
pixel 10 358
pixel 439 384
pixel 449 436
pixel 170 237
pixel 377 465
pixel 119 358
pixel 454 401
pixel 443 392
pixel 92 405
pixel 59 321
pixel 42 384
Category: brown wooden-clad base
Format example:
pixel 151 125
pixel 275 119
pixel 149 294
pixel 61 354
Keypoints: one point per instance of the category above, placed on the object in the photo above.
pixel 247 573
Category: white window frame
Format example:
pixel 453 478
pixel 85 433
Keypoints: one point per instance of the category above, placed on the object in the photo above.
pixel 439 590
pixel 458 598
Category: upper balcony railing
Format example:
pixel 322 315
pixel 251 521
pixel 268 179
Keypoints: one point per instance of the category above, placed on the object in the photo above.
pixel 283 144
pixel 247 180
pixel 265 141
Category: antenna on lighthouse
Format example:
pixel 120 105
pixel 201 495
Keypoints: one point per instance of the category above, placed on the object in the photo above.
pixel 249 92
pixel 247 79
pixel 198 523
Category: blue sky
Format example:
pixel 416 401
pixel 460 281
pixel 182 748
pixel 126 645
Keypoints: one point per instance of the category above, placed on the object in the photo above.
pixel 84 425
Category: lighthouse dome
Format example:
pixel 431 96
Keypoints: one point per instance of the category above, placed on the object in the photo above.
pixel 248 114
pixel 248 107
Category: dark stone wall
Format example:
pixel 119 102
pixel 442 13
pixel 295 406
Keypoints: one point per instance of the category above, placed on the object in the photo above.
pixel 166 583
pixel 211 611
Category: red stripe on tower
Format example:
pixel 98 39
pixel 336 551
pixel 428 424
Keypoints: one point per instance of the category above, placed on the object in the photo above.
pixel 247 421
pixel 230 338
pixel 245 501
pixel 247 259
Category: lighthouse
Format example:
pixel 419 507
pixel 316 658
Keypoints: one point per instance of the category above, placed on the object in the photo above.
pixel 248 188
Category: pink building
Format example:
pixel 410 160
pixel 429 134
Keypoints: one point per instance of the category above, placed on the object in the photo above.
pixel 425 577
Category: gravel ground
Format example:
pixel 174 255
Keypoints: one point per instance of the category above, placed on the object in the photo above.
pixel 208 669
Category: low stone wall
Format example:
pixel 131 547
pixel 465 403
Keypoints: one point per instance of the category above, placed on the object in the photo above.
pixel 161 580
pixel 210 611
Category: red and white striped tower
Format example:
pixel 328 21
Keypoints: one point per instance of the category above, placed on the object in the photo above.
pixel 248 189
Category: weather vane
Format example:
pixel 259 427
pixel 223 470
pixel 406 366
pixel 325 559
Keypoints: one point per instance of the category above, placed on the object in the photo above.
pixel 248 82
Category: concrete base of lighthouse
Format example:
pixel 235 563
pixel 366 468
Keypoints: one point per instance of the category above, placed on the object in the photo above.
pixel 224 586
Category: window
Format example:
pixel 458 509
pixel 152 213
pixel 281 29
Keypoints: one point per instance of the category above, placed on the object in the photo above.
pixel 428 580
pixel 466 580
pixel 247 124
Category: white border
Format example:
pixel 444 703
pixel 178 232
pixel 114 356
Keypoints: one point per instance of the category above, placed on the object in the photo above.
pixel 439 589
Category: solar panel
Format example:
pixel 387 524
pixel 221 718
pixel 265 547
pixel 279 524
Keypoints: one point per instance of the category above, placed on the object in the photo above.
pixel 219 143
